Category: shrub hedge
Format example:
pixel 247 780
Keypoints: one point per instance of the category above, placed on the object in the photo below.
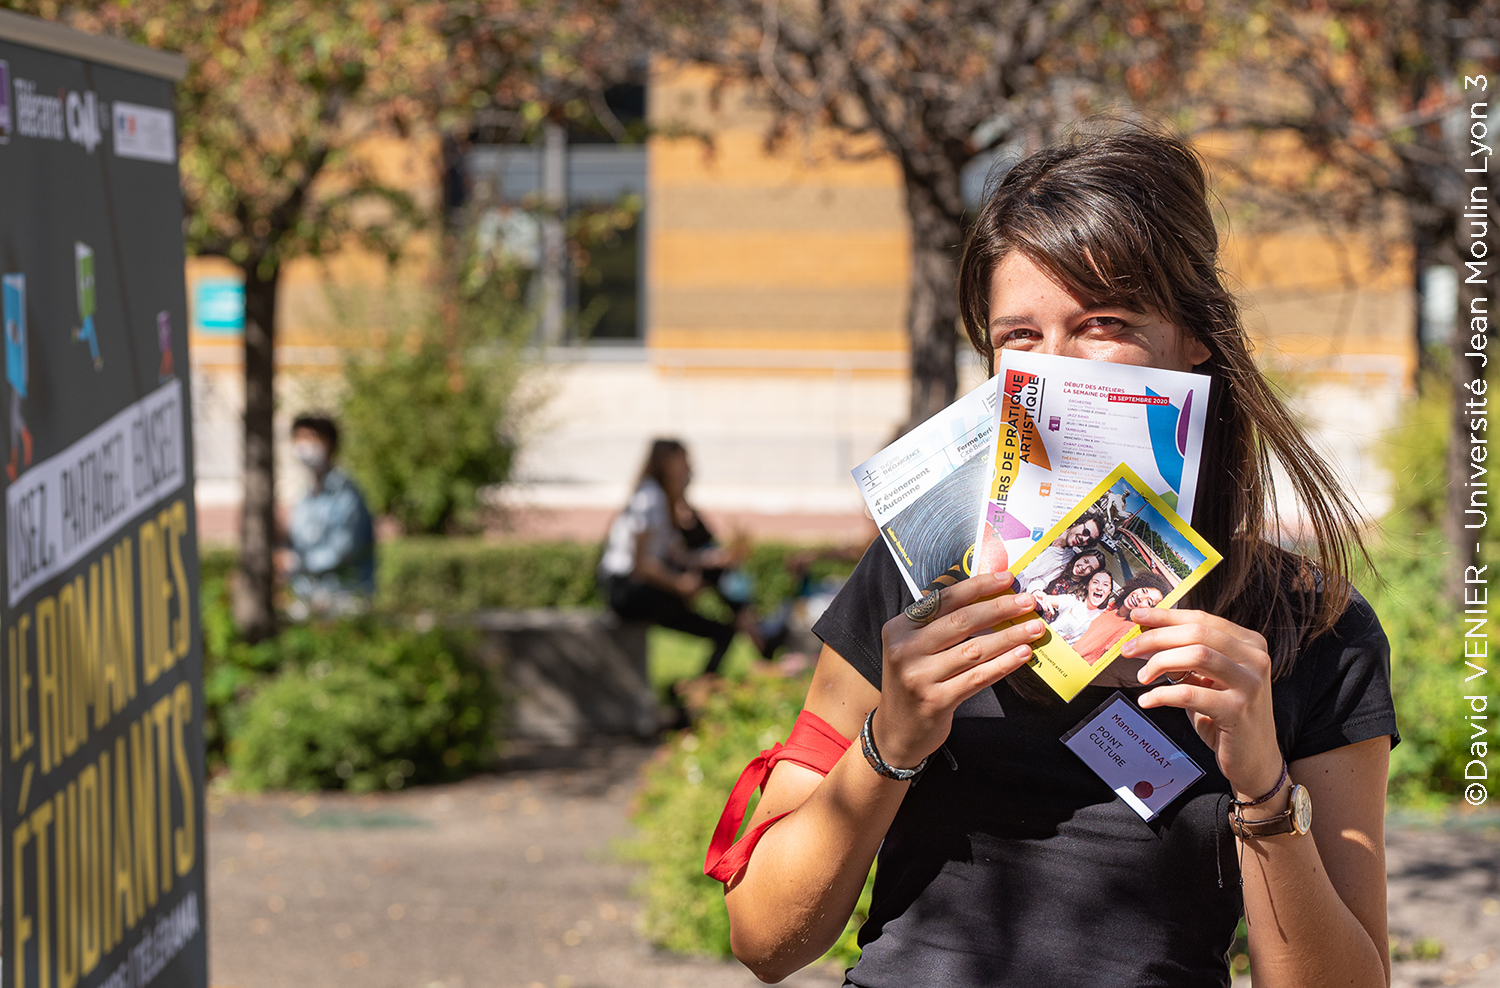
pixel 365 705
pixel 359 704
pixel 1412 564
pixel 462 575
pixel 340 672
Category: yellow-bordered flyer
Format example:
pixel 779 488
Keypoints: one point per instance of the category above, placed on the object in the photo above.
pixel 1119 548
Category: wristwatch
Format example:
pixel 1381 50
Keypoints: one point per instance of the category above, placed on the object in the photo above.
pixel 1296 819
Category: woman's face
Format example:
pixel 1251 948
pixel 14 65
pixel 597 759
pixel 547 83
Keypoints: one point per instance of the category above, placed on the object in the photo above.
pixel 1085 566
pixel 679 473
pixel 1030 311
pixel 1100 585
pixel 1143 597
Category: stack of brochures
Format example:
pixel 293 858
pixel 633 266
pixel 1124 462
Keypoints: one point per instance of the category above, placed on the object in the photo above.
pixel 1077 476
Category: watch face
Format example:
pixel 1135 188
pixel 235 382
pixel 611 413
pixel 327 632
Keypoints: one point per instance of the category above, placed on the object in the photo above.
pixel 1301 810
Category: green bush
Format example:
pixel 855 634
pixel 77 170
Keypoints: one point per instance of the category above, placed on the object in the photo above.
pixel 767 566
pixel 363 705
pixel 360 700
pixel 1412 563
pixel 232 669
pixel 424 429
pixel 431 411
pixel 680 802
pixel 463 575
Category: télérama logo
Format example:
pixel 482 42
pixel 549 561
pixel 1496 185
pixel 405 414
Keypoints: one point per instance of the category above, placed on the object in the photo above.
pixel 5 102
pixel 56 116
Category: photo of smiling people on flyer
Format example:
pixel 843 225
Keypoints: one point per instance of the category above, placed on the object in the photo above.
pixel 1138 558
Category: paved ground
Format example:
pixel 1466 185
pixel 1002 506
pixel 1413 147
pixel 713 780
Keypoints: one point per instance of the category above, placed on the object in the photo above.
pixel 507 881
pixel 1444 886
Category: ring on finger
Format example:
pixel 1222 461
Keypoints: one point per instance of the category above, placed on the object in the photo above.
pixel 923 610
pixel 1178 681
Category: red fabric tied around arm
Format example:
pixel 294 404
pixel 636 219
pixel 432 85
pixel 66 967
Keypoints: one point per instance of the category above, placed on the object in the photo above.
pixel 814 744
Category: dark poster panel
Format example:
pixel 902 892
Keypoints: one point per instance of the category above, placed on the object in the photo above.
pixel 101 726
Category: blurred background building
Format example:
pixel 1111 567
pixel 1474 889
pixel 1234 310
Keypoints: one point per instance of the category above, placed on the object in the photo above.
pixel 750 302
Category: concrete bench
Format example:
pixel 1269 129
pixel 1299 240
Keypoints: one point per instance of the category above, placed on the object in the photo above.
pixel 569 675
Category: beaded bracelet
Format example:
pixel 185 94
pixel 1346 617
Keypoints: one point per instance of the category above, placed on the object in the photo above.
pixel 1241 803
pixel 867 744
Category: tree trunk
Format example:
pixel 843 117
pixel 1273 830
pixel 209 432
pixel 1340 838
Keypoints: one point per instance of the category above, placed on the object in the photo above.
pixel 932 314
pixel 554 242
pixel 253 592
pixel 1422 259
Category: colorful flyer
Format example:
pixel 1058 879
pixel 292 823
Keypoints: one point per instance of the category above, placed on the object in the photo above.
pixel 924 489
pixel 1062 423
pixel 1132 756
pixel 1119 548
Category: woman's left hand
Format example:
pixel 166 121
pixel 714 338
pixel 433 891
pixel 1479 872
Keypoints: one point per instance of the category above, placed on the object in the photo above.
pixel 1224 684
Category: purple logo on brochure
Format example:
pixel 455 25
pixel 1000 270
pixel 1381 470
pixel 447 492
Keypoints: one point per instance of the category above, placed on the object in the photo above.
pixel 4 102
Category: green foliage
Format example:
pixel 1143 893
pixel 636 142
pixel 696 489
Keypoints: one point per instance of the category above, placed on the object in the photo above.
pixel 680 802
pixel 278 98
pixel 425 425
pixel 1411 561
pixel 290 711
pixel 463 575
pixel 770 567
pixel 364 705
pixel 232 668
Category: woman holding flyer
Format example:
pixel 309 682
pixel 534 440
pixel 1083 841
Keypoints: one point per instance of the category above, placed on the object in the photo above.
pixel 1013 862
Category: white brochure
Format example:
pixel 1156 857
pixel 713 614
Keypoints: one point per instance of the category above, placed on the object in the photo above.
pixel 1062 424
pixel 924 489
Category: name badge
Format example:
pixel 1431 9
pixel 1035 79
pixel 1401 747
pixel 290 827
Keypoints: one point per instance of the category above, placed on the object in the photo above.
pixel 1133 757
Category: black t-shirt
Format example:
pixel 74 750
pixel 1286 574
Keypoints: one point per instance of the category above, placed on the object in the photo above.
pixel 1023 868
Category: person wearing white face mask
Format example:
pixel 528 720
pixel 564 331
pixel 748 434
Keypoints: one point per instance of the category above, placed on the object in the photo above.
pixel 332 535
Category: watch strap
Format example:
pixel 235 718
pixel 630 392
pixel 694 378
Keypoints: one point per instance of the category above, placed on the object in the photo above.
pixel 1273 826
pixel 1287 822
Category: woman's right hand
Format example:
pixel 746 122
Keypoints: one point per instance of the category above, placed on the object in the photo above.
pixel 931 668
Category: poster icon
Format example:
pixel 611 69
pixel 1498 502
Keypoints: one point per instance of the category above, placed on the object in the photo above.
pixel 83 256
pixel 13 288
pixel 5 118
pixel 164 371
pixel 1054 423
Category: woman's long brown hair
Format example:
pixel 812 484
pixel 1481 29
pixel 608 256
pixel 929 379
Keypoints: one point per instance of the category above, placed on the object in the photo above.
pixel 655 467
pixel 1123 220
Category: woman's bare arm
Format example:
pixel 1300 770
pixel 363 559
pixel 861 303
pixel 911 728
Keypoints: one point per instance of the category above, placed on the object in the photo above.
pixel 793 899
pixel 1316 905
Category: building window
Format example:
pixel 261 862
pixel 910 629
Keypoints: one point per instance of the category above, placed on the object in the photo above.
pixel 607 285
pixel 573 197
